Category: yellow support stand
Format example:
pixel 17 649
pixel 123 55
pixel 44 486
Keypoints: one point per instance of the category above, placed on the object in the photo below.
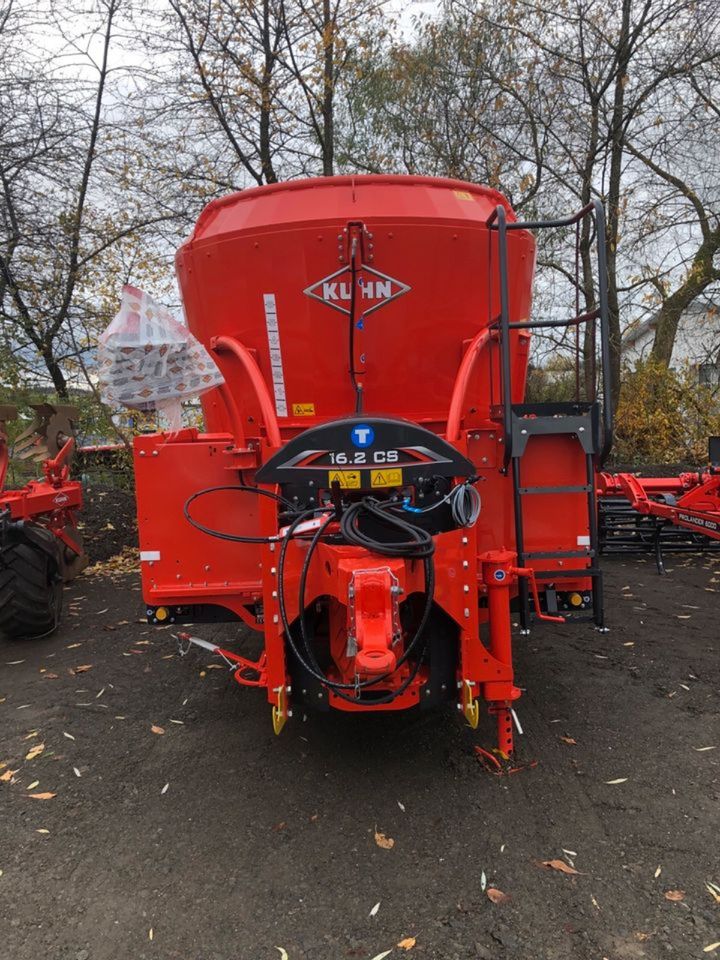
pixel 279 713
pixel 470 705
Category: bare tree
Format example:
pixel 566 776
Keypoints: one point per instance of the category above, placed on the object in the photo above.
pixel 62 154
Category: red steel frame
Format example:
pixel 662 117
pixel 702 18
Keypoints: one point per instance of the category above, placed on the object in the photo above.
pixel 446 378
pixel 696 498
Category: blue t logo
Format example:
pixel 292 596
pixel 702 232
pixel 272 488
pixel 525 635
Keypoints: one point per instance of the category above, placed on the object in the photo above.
pixel 362 435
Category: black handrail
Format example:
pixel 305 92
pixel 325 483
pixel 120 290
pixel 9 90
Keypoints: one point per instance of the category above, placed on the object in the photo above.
pixel 594 208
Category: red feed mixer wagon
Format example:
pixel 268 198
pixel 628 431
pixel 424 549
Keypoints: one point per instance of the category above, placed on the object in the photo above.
pixel 372 493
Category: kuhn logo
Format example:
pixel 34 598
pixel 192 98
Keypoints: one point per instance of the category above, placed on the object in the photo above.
pixel 61 499
pixel 373 290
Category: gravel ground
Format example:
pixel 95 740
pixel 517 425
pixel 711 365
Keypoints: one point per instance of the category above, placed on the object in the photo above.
pixel 214 840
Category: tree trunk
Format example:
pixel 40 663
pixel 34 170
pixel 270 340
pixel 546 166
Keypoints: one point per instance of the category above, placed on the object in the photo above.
pixel 328 144
pixel 701 275
pixel 265 145
pixel 617 149
pixel 56 374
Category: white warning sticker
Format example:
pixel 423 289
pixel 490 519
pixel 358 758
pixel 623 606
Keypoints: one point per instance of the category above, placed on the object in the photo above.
pixel 276 364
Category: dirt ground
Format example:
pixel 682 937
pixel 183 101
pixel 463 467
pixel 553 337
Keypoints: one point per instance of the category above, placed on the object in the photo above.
pixel 214 840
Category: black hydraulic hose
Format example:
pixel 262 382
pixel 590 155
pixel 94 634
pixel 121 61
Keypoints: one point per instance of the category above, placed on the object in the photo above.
pixel 221 534
pixel 419 543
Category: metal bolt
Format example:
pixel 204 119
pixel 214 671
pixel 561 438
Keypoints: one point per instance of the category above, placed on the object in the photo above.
pixel 476 436
pixel 466 589
pixel 273 571
pixel 466 611
pixel 142 453
pixel 320 696
pixel 464 540
pixel 523 431
pixel 465 564
pixel 275 618
pixel 274 593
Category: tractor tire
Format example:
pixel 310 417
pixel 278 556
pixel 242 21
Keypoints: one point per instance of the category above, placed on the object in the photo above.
pixel 30 592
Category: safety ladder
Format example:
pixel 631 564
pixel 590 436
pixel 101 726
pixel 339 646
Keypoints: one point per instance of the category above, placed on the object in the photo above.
pixel 589 423
pixel 579 421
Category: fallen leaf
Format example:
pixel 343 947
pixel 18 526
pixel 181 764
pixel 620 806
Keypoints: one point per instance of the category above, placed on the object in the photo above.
pixel 402 806
pixel 408 943
pixel 711 946
pixel 569 740
pixel 570 853
pixel 619 780
pixel 51 676
pixel 658 872
pixel 703 749
pixel 7 776
pixel 43 796
pixel 283 953
pixel 29 736
pixel 387 843
pixel 36 751
pixel 68 735
pixel 41 830
pixel 83 668
pixel 76 772
pixel 559 865
pixel 483 880
pixel 156 729
pixel 375 909
pixel 714 891
pixel 378 956
pixel 35 783
pixel 164 789
pixel 675 895
pixel 150 934
pixel 497 896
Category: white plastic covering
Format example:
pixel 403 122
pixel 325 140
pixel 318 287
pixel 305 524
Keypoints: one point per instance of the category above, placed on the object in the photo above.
pixel 149 361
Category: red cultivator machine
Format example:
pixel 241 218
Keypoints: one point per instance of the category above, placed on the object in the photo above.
pixel 686 507
pixel 40 545
pixel 372 494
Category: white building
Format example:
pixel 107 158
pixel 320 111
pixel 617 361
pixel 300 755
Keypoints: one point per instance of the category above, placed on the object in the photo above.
pixel 697 343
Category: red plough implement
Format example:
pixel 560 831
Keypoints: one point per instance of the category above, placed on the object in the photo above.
pixel 40 545
pixel 372 494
